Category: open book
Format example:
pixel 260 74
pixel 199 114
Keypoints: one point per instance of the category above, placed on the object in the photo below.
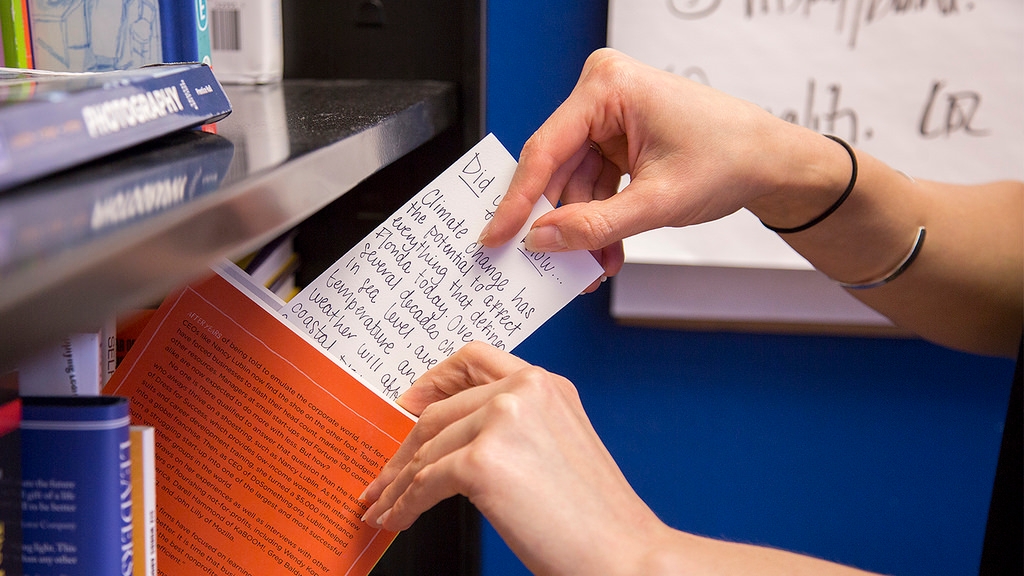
pixel 271 418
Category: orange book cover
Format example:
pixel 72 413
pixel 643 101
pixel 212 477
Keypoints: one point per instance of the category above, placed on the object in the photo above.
pixel 263 443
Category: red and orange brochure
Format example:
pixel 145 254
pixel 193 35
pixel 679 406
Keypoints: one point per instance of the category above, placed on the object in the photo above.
pixel 264 443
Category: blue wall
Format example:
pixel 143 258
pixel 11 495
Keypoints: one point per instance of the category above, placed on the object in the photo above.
pixel 873 452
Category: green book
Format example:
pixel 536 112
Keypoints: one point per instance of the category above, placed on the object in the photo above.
pixel 15 31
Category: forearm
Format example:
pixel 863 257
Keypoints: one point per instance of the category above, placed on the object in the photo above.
pixel 681 553
pixel 694 155
pixel 966 287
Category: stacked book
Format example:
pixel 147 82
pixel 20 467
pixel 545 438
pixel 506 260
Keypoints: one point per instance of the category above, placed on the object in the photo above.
pixel 53 121
pixel 98 104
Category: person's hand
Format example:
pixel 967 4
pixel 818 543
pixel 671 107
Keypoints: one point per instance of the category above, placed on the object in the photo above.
pixel 515 440
pixel 693 155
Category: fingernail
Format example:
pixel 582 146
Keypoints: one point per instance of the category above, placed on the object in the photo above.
pixel 363 495
pixel 484 233
pixel 545 239
pixel 383 518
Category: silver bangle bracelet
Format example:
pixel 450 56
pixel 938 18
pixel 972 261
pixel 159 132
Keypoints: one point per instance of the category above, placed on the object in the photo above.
pixel 899 269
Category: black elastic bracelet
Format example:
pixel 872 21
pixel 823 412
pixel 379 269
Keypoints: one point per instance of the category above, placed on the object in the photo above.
pixel 833 207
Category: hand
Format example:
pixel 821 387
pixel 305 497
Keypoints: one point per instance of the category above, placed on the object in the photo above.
pixel 515 440
pixel 693 154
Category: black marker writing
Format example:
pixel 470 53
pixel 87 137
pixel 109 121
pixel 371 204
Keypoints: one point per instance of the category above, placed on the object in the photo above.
pixel 959 114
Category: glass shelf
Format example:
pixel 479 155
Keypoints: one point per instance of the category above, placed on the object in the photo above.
pixel 119 233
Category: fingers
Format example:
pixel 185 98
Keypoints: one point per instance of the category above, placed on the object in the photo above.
pixel 443 419
pixel 434 419
pixel 543 169
pixel 449 450
pixel 474 364
pixel 582 184
pixel 611 259
pixel 551 155
pixel 404 499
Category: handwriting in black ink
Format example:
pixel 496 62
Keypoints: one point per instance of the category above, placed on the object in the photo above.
pixel 850 17
pixel 835 119
pixel 474 176
pixel 693 9
pixel 960 108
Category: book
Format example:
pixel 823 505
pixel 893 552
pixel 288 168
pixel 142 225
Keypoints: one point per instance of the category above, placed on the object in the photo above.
pixel 247 41
pixel 263 443
pixel 143 454
pixel 94 36
pixel 104 196
pixel 14 29
pixel 10 476
pixel 76 485
pixel 130 325
pixel 274 265
pixel 49 122
pixel 185 31
pixel 79 365
pixel 265 438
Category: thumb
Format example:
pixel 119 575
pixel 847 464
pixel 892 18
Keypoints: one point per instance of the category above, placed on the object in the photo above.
pixel 596 224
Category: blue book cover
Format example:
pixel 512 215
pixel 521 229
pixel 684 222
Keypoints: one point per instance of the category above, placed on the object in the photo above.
pixel 185 31
pixel 79 205
pixel 76 486
pixel 50 122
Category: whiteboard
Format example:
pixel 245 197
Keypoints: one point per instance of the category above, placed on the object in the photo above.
pixel 934 88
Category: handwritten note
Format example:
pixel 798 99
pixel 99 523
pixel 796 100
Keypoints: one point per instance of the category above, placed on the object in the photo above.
pixel 419 287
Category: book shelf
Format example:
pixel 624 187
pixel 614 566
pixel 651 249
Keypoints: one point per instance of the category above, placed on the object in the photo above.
pixel 368 113
pixel 294 148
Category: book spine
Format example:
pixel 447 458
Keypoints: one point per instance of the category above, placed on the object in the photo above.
pixel 185 31
pixel 14 28
pixel 79 366
pixel 93 202
pixel 129 325
pixel 44 137
pixel 204 52
pixel 76 486
pixel 144 499
pixel 50 371
pixel 10 487
pixel 108 350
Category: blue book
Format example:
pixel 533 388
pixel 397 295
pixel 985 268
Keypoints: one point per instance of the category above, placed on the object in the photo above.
pixel 50 122
pixel 91 201
pixel 76 486
pixel 185 31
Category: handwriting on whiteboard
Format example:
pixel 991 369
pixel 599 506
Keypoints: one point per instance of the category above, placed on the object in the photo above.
pixel 849 15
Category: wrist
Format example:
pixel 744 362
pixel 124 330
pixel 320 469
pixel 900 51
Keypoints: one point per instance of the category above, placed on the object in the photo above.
pixel 673 553
pixel 814 178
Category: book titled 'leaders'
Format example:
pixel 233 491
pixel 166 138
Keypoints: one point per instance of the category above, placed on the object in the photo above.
pixel 76 486
pixel 51 121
